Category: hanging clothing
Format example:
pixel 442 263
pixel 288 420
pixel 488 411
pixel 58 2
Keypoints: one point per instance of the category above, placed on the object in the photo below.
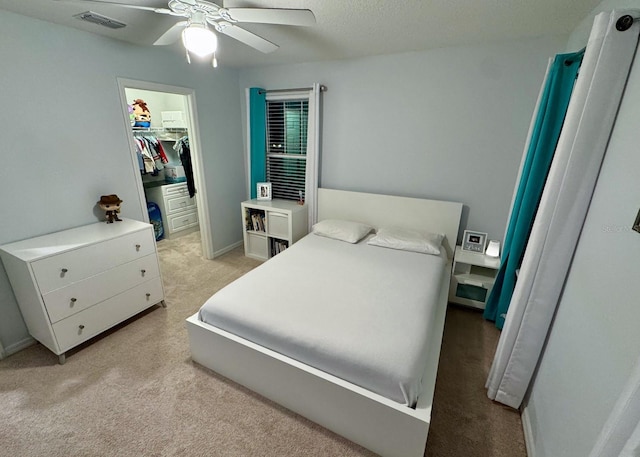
pixel 184 152
pixel 141 165
pixel 147 157
pixel 151 155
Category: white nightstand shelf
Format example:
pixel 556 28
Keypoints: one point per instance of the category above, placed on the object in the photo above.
pixel 472 278
pixel 271 226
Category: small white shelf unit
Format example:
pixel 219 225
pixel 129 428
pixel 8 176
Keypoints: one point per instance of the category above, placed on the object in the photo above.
pixel 472 278
pixel 271 226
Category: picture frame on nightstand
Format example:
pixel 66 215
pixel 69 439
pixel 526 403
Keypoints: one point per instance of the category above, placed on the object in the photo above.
pixel 473 241
pixel 264 191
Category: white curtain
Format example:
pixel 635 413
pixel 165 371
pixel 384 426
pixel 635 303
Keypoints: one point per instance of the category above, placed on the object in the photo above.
pixel 632 447
pixel 620 436
pixel 313 151
pixel 563 206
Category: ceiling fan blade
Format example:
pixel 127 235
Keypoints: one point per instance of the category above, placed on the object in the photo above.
pixel 123 5
pixel 246 37
pixel 273 16
pixel 172 35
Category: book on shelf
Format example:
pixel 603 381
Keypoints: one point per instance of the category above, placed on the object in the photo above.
pixel 257 222
pixel 278 246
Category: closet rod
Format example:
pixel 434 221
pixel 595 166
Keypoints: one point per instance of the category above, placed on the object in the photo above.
pixel 160 131
pixel 156 129
pixel 273 91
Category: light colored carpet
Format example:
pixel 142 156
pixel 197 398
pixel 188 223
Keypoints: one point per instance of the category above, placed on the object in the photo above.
pixel 135 392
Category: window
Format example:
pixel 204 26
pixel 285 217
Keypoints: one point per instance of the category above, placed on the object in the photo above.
pixel 283 139
pixel 286 152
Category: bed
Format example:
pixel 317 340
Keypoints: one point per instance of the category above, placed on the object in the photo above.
pixel 299 358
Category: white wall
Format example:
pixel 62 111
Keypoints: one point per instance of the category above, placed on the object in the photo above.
pixel 594 342
pixel 64 139
pixel 446 124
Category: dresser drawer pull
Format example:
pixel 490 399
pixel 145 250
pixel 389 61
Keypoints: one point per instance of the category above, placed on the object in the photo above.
pixel 137 247
pixel 148 295
pixel 73 302
pixel 143 272
pixel 80 328
pixel 62 272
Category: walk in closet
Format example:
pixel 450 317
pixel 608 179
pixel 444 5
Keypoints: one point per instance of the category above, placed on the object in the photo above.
pixel 160 130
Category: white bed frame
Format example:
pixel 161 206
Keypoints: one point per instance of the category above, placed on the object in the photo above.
pixel 375 422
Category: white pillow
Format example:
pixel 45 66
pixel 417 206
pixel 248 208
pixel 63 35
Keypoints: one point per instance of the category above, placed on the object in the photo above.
pixel 408 240
pixel 348 231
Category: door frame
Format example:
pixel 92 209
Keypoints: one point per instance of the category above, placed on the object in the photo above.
pixel 204 221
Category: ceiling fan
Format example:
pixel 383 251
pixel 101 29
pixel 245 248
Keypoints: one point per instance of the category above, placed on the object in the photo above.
pixel 197 36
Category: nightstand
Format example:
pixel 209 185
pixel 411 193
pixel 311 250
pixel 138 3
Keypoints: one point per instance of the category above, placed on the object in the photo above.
pixel 271 226
pixel 472 278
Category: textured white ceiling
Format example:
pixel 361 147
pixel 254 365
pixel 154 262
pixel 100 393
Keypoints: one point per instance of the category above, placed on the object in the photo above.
pixel 344 29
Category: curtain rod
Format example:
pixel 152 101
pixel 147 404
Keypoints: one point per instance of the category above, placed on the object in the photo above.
pixel 271 91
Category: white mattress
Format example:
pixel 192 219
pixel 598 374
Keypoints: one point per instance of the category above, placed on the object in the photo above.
pixel 356 311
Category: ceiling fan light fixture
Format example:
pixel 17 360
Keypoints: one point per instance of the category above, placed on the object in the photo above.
pixel 197 38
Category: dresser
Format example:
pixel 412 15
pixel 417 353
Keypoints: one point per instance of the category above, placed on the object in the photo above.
pixel 179 211
pixel 74 284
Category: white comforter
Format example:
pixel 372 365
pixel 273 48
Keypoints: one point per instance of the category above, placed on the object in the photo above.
pixel 359 312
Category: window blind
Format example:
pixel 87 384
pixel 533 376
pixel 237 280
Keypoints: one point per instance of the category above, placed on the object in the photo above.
pixel 287 122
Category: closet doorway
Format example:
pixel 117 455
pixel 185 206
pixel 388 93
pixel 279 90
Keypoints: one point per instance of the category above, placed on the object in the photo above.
pixel 162 128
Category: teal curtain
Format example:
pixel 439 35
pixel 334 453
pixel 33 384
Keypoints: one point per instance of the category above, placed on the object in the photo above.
pixel 258 135
pixel 542 145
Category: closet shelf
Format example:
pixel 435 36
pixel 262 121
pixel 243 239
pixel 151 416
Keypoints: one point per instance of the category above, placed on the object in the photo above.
pixel 172 133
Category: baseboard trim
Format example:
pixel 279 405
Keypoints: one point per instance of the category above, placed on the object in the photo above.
pixel 227 249
pixel 19 346
pixel 528 432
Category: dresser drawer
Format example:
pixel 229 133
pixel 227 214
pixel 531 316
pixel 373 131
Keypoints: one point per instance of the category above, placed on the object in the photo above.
pixel 257 246
pixel 179 203
pixel 182 221
pixel 278 224
pixel 64 302
pixel 58 271
pixel 175 190
pixel 88 323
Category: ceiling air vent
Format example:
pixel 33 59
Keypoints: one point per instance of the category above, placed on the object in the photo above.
pixel 96 18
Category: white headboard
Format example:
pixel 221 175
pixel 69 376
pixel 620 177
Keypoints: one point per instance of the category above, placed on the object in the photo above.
pixel 386 210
